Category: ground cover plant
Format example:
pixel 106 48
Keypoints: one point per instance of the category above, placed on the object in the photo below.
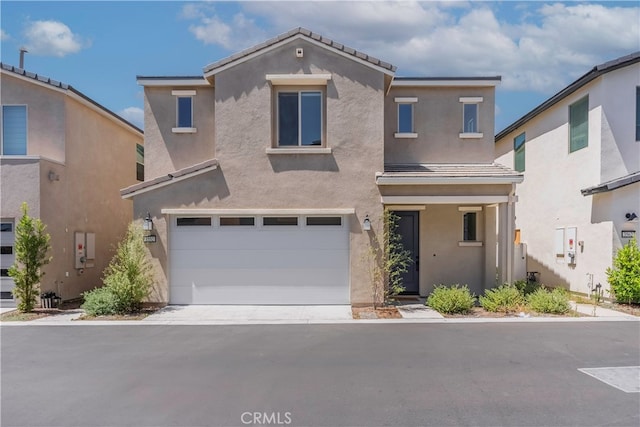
pixel 551 301
pixel 503 299
pixel 451 299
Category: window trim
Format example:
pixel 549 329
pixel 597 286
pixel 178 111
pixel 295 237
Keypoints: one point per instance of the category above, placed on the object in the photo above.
pixel 405 100
pixel 585 98
pixel 26 143
pixel 471 210
pixel 520 150
pixel 276 148
pixel 178 94
pixel 471 100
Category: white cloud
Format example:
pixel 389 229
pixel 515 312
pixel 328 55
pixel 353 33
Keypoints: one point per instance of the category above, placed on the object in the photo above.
pixel 52 38
pixel 541 49
pixel 4 35
pixel 134 115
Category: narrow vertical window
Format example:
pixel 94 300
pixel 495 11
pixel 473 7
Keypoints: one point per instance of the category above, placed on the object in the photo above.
pixel 637 113
pixel 184 111
pixel 14 130
pixel 518 152
pixel 579 124
pixel 406 117
pixel 139 162
pixel 469 226
pixel 470 119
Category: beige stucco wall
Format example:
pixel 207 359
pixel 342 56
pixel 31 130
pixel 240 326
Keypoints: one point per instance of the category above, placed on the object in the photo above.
pixel 249 178
pixel 550 197
pixel 82 160
pixel 438 123
pixel 166 151
pixel 45 114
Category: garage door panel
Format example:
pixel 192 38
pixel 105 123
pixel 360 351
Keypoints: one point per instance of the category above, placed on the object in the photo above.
pixel 250 239
pixel 258 259
pixel 255 295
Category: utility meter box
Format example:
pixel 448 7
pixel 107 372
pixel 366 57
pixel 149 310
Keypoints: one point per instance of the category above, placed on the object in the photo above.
pixel 570 244
pixel 85 250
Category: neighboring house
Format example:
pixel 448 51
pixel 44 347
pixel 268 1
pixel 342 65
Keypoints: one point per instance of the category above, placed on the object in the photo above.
pixel 67 157
pixel 579 152
pixel 268 169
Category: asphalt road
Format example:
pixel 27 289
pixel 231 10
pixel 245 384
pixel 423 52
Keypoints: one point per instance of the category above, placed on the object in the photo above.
pixel 502 374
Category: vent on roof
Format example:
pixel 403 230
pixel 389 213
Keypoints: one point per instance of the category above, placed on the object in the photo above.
pixel 299 52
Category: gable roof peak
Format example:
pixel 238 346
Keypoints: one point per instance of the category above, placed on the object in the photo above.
pixel 229 61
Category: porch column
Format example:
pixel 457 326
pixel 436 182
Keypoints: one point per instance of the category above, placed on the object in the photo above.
pixel 491 246
pixel 506 231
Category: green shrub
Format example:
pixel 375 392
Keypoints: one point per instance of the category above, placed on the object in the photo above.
pixel 624 277
pixel 100 302
pixel 451 299
pixel 555 301
pixel 525 287
pixel 503 299
pixel 129 275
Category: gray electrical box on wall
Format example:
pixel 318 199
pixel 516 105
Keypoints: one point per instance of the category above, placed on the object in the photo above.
pixel 85 250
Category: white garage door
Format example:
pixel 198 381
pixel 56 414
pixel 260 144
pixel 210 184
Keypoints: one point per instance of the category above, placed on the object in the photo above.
pixel 259 260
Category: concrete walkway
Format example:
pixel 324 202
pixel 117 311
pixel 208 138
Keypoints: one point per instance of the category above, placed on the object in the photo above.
pixel 600 311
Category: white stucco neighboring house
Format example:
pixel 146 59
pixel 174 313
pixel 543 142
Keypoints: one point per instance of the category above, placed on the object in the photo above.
pixel 579 152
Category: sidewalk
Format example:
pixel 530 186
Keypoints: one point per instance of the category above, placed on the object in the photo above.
pixel 321 314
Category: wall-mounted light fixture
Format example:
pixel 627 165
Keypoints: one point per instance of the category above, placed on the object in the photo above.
pixel 53 176
pixel 147 224
pixel 366 224
pixel 631 216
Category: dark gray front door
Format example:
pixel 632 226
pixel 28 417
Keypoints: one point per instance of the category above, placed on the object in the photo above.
pixel 408 228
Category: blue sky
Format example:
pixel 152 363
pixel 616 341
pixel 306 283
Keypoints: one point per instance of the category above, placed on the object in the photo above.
pixel 538 47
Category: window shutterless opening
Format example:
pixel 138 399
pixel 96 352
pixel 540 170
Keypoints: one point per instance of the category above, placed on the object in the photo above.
pixel 280 220
pixel 4 272
pixel 193 221
pixel 324 220
pixel 6 250
pixel 469 226
pixel 249 220
pixel 6 227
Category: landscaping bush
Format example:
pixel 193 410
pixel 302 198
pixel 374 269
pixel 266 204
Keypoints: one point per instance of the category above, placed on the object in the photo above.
pixel 555 301
pixel 624 277
pixel 503 299
pixel 451 299
pixel 525 287
pixel 100 302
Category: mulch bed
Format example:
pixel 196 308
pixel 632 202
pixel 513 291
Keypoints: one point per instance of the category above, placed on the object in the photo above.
pixel 144 312
pixel 479 312
pixel 378 313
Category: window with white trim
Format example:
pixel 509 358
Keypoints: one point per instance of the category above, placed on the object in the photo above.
pixel 14 130
pixel 300 118
pixel 184 111
pixel 519 152
pixel 405 117
pixel 471 117
pixel 7 237
pixel 139 162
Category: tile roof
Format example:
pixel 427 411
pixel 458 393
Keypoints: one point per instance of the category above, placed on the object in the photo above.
pixel 59 85
pixel 292 33
pixel 446 170
pixel 443 173
pixel 595 72
pixel 167 179
pixel 632 178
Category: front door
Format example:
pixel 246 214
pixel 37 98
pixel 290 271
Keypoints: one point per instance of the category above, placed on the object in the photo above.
pixel 408 228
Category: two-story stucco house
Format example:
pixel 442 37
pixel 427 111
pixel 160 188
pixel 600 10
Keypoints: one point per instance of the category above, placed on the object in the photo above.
pixel 271 171
pixel 67 157
pixel 579 152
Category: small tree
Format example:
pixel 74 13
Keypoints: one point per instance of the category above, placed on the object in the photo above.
pixel 624 277
pixel 31 247
pixel 388 260
pixel 129 275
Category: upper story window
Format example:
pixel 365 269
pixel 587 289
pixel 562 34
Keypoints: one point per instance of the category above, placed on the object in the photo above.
pixel 300 118
pixel 14 130
pixel 579 124
pixel 139 162
pixel 518 152
pixel 184 111
pixel 471 117
pixel 406 118
pixel 638 114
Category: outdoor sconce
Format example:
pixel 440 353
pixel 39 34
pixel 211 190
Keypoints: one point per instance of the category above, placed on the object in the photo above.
pixel 631 216
pixel 366 224
pixel 147 225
